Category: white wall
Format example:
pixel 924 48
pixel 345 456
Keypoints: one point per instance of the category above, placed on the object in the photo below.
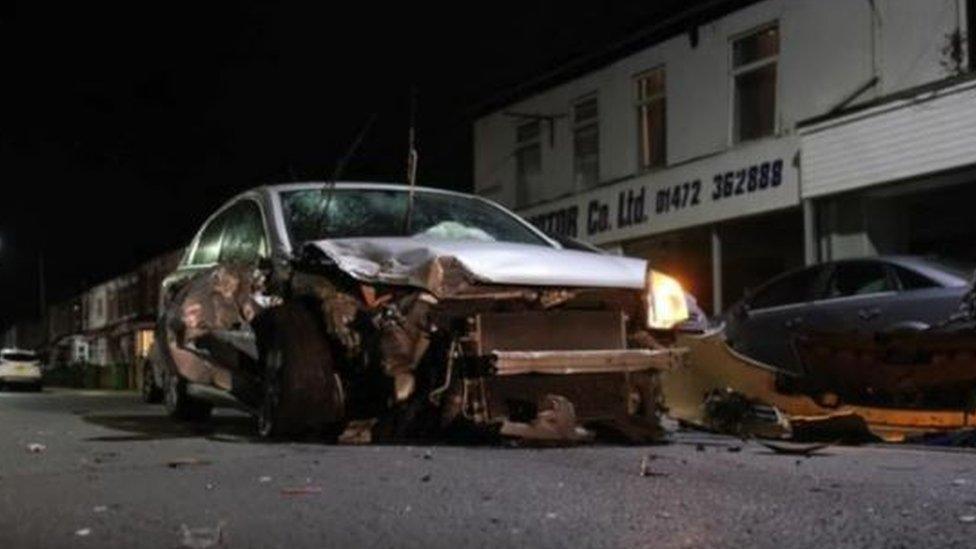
pixel 828 49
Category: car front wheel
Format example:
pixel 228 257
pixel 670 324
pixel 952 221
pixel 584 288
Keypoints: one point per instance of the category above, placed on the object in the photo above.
pixel 151 392
pixel 301 392
pixel 180 405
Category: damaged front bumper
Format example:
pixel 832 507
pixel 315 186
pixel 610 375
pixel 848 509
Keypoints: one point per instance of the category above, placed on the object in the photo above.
pixel 557 395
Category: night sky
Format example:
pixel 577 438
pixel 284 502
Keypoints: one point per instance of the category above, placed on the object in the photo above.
pixel 124 124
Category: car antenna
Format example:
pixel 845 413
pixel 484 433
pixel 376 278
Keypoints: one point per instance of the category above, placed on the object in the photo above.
pixel 325 196
pixel 412 158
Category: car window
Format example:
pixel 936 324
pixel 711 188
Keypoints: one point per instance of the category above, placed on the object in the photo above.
pixel 858 278
pixel 910 280
pixel 17 356
pixel 208 247
pixel 798 287
pixel 243 239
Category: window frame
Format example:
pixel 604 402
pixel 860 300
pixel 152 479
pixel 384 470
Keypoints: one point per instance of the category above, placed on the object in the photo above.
pixel 522 198
pixel 641 103
pixel 579 126
pixel 195 243
pixel 889 273
pixel 735 72
pixel 262 251
pixel 819 283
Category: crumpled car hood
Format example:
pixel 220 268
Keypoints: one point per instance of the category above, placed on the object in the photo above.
pixel 430 262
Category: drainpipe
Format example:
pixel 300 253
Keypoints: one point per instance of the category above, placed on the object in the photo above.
pixel 716 272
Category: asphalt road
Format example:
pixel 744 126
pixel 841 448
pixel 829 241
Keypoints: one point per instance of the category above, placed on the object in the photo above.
pixel 117 473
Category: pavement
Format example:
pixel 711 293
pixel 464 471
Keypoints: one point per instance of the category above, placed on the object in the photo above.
pixel 113 472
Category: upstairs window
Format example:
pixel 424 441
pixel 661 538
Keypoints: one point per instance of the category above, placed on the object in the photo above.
pixel 651 120
pixel 754 59
pixel 586 143
pixel 528 160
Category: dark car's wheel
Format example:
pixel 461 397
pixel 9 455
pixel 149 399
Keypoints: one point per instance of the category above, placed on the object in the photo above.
pixel 301 392
pixel 151 392
pixel 180 405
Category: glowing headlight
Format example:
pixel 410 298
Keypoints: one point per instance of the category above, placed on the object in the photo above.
pixel 666 305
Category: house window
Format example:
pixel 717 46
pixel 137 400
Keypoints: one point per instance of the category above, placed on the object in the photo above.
pixel 528 160
pixel 754 82
pixel 651 120
pixel 586 143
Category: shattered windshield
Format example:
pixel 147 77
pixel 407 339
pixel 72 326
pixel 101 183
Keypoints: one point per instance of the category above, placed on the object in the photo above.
pixel 381 212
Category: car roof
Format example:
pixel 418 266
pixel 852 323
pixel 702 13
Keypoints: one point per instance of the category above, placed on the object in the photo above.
pixel 916 263
pixel 359 185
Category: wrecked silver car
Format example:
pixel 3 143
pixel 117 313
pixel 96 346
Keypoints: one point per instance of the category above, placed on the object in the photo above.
pixel 412 311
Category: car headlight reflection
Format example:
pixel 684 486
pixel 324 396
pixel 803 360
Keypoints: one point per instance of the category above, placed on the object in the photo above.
pixel 666 305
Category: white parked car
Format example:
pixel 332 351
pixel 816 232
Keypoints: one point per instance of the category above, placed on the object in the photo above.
pixel 315 305
pixel 20 368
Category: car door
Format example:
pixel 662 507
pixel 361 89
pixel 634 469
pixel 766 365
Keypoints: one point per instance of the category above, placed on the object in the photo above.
pixel 764 328
pixel 856 298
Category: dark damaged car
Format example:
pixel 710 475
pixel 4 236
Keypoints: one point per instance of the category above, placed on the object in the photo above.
pixel 317 306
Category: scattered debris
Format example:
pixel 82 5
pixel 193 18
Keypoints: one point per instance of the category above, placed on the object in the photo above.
pixel 846 427
pixel 645 467
pixel 793 448
pixel 83 532
pixel 967 518
pixel 358 431
pixel 960 482
pixel 552 516
pixel 428 455
pixel 100 508
pixel 202 538
pixel 36 447
pixel 301 490
pixel 425 478
pixel 264 479
pixel 186 462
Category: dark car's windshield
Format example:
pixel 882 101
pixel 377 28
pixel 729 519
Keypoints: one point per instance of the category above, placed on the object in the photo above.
pixel 380 212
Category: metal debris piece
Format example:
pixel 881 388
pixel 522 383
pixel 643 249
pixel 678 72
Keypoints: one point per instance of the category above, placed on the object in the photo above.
pixel 99 508
pixel 967 518
pixel 264 479
pixel 83 532
pixel 36 448
pixel 202 538
pixel 794 448
pixel 301 490
pixel 556 421
pixel 645 468
pixel 186 462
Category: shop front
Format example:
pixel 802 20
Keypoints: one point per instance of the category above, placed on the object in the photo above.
pixel 719 224
pixel 894 179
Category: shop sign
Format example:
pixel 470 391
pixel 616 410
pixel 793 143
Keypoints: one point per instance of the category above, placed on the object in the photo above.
pixel 743 181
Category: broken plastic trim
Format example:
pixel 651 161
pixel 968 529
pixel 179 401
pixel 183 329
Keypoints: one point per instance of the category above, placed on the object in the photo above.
pixel 508 363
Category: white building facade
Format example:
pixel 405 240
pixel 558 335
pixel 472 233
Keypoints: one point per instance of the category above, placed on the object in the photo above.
pixel 783 133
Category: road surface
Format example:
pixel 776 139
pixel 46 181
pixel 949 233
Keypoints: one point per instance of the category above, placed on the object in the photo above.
pixel 114 472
